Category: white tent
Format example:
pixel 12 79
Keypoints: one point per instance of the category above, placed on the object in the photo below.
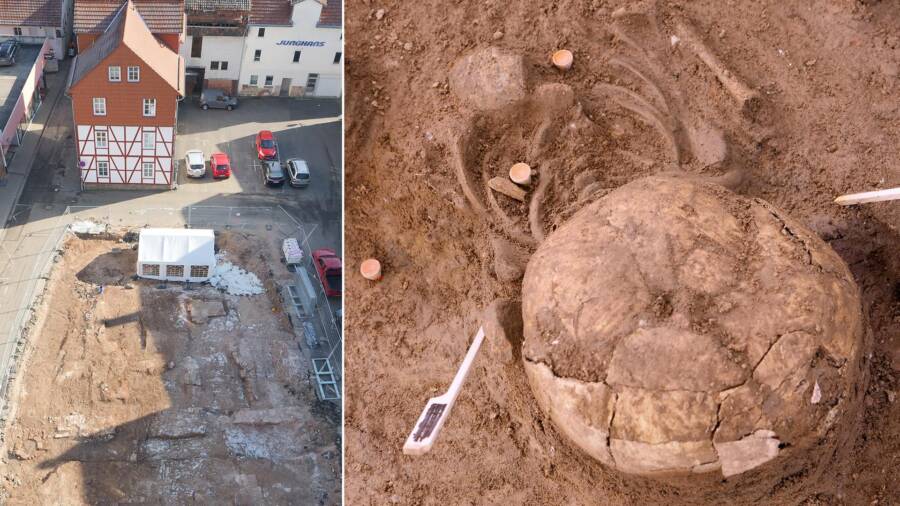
pixel 176 254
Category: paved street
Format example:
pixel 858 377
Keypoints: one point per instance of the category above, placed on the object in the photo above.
pixel 310 129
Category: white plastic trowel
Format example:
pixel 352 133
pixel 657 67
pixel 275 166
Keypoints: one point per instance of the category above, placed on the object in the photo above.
pixel 436 411
pixel 866 197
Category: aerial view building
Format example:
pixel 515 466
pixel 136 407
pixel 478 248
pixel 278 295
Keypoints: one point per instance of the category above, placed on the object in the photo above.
pixel 125 90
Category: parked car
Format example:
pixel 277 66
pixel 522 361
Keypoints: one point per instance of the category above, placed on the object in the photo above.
pixel 273 174
pixel 217 99
pixel 298 173
pixel 266 147
pixel 8 50
pixel 330 270
pixel 194 163
pixel 219 165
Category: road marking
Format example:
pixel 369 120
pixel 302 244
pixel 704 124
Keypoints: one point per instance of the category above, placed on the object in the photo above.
pixel 306 239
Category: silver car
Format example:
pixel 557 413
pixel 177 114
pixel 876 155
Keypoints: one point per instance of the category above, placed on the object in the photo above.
pixel 217 99
pixel 298 173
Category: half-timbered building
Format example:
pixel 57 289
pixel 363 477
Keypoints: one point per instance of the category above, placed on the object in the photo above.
pixel 125 91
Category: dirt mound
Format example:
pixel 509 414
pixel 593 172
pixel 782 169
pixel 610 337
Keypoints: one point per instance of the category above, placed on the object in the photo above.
pixel 113 268
pixel 675 327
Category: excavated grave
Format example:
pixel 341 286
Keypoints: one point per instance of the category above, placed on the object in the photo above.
pixel 674 327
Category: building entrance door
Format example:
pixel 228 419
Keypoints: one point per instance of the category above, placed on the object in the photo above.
pixel 285 87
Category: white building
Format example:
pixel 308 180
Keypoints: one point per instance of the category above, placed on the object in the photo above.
pixel 31 21
pixel 214 43
pixel 264 47
pixel 295 53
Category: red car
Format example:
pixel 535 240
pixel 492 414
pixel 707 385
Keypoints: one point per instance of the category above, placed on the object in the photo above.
pixel 330 270
pixel 266 147
pixel 219 165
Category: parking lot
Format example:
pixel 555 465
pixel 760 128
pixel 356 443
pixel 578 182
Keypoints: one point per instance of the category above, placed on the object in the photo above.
pixel 307 129
pixel 302 130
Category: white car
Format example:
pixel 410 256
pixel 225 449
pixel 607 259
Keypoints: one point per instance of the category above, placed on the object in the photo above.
pixel 194 163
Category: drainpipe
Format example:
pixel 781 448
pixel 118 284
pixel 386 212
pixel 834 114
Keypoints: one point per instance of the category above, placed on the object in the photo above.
pixel 245 38
pixel 75 124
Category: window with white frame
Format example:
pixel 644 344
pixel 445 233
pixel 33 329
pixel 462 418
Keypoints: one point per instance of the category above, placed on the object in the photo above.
pixel 99 106
pixel 149 141
pixel 147 169
pixel 101 139
pixel 149 107
pixel 134 74
pixel 115 73
pixel 254 80
pixel 102 168
pixel 269 80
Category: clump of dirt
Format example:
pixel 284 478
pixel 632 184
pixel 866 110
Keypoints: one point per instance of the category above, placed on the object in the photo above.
pixel 643 102
pixel 673 327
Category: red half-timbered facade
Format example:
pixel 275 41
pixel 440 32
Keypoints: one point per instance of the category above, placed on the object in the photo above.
pixel 125 91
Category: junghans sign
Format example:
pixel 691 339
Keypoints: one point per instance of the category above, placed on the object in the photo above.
pixel 303 43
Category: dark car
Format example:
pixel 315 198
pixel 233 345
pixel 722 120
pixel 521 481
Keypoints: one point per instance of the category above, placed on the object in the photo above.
pixel 8 50
pixel 273 174
pixel 266 147
pixel 217 99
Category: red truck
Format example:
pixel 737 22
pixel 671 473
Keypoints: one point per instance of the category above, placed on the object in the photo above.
pixel 330 270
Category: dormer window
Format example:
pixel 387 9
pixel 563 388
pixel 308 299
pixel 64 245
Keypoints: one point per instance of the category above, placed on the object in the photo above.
pixel 115 74
pixel 134 74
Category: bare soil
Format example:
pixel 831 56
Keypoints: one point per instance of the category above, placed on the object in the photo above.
pixel 137 392
pixel 419 155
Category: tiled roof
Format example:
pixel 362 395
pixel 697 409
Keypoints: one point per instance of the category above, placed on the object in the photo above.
pixel 129 28
pixel 216 5
pixel 161 16
pixel 270 12
pixel 331 14
pixel 31 13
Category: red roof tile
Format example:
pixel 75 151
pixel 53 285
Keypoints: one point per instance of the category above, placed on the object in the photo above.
pixel 270 12
pixel 161 16
pixel 31 13
pixel 129 29
pixel 331 14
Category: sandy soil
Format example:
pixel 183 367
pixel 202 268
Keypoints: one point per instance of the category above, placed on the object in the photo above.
pixel 419 158
pixel 135 392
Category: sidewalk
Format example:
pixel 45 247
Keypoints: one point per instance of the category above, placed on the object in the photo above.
pixel 21 164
